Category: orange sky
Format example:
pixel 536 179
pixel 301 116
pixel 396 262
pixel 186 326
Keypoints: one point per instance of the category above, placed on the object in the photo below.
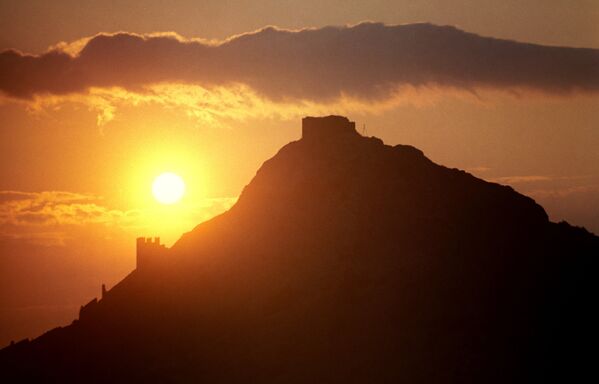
pixel 77 165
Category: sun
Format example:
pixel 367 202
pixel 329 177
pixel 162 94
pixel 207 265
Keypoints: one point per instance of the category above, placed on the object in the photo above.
pixel 168 188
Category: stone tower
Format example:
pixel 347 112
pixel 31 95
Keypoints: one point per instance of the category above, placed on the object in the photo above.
pixel 149 252
pixel 328 128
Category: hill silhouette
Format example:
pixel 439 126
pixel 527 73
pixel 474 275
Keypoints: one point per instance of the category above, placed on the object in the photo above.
pixel 344 260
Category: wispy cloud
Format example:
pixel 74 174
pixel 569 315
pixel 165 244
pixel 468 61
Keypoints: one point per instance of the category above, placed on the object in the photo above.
pixel 522 179
pixel 53 207
pixel 50 217
pixel 545 179
pixel 559 193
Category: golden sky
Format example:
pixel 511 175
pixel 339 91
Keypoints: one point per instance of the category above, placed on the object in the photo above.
pixel 99 98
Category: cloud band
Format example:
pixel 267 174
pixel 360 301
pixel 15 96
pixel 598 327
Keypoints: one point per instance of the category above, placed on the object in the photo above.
pixel 365 61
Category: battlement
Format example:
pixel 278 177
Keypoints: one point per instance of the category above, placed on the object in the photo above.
pixel 327 128
pixel 149 251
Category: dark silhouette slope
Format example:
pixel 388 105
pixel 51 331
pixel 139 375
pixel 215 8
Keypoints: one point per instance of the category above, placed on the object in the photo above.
pixel 345 260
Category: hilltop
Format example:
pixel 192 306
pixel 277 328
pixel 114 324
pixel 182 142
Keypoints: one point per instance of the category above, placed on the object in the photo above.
pixel 344 260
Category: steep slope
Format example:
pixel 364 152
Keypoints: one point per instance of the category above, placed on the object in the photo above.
pixel 345 260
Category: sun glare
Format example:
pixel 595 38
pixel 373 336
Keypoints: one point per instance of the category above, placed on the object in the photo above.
pixel 168 188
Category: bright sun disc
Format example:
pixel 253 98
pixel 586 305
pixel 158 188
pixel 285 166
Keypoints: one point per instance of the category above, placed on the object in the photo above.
pixel 168 188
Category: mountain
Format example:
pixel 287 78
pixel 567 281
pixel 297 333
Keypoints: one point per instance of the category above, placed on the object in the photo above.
pixel 344 260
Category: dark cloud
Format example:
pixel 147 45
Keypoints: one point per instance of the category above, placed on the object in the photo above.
pixel 367 60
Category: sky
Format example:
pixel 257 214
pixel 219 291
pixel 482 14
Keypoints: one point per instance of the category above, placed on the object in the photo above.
pixel 99 98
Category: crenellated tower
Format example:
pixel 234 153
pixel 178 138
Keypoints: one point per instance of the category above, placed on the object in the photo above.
pixel 149 252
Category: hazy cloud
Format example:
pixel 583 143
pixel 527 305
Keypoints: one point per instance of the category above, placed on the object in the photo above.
pixel 558 193
pixel 52 208
pixel 50 217
pixel 365 61
pixel 8 196
pixel 522 179
pixel 535 179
